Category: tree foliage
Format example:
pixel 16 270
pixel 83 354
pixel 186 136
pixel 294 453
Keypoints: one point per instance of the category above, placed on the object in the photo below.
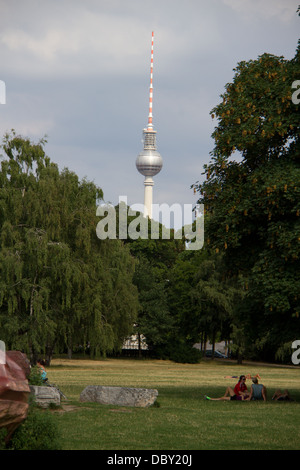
pixel 201 297
pixel 252 202
pixel 59 284
pixel 155 320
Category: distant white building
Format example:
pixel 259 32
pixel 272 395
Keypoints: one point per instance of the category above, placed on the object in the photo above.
pixel 222 347
pixel 132 342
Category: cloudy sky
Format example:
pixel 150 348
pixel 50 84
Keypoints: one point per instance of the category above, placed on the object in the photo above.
pixel 79 72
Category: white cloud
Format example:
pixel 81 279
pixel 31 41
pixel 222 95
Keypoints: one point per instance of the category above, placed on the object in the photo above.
pixel 35 128
pixel 283 10
pixel 89 43
pixel 97 41
pixel 44 48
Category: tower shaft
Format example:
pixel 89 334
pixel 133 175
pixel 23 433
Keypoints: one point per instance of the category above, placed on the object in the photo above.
pixel 148 196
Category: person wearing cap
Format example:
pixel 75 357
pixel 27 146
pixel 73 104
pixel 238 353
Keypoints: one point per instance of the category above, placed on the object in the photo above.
pixel 257 391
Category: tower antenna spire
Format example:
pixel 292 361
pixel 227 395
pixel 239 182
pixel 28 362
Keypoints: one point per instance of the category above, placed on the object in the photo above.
pixel 150 125
pixel 149 161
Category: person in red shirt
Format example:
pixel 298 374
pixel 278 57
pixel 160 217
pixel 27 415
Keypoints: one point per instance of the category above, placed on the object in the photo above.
pixel 240 391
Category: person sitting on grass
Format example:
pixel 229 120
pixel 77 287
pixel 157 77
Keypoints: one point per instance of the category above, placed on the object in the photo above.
pixel 282 396
pixel 257 391
pixel 240 392
pixel 40 364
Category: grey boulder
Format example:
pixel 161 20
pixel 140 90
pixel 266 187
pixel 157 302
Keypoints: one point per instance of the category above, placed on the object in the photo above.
pixel 121 396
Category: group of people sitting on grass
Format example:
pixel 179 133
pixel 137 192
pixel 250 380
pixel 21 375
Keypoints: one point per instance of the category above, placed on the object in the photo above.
pixel 257 392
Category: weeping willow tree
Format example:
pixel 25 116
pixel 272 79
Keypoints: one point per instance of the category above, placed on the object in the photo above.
pixel 59 284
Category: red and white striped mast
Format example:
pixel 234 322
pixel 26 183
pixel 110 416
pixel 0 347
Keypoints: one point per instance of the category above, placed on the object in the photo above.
pixel 150 125
pixel 149 161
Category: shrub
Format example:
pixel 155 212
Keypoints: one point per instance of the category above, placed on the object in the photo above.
pixel 185 353
pixel 38 432
pixel 35 377
pixel 3 433
pixel 178 350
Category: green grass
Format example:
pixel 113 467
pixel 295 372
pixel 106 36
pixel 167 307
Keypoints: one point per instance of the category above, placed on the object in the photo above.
pixel 183 419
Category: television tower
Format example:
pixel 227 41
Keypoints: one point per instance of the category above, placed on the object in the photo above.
pixel 149 161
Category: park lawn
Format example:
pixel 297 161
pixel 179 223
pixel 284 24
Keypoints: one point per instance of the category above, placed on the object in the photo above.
pixel 181 419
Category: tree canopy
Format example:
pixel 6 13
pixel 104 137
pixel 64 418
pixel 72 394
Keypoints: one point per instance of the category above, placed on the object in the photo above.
pixel 59 284
pixel 251 196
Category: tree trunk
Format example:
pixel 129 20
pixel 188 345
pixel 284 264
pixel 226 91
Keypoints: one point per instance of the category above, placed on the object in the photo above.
pixel 204 342
pixel 239 358
pixel 48 355
pixel 213 345
pixel 139 345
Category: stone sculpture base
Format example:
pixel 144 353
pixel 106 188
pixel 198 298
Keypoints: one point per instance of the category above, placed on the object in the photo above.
pixel 121 396
pixel 44 396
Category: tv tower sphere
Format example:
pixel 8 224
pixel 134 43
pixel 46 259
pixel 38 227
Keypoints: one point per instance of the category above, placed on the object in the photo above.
pixel 149 161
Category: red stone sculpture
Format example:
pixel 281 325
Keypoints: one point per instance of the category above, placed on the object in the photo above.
pixel 21 360
pixel 14 391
